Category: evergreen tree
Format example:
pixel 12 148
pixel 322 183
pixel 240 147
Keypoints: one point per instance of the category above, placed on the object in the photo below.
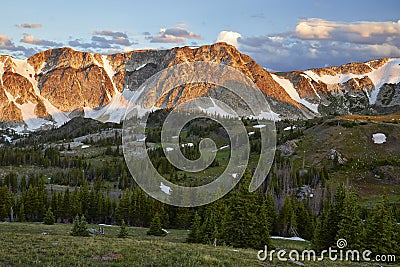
pixel 381 229
pixel 194 235
pixel 6 202
pixel 75 226
pixel 122 212
pixel 83 230
pixel 322 239
pixel 286 223
pixel 79 227
pixel 350 227
pixel 245 224
pixel 328 222
pixel 21 213
pixel 262 230
pixel 155 227
pixel 49 217
pixel 271 212
pixel 208 228
pixel 123 232
pixel 304 221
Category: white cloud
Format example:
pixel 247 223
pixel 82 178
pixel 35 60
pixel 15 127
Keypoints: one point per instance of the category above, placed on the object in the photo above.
pixel 315 28
pixel 3 38
pixel 317 43
pixel 127 49
pixel 30 39
pixel 6 46
pixel 177 34
pixel 229 37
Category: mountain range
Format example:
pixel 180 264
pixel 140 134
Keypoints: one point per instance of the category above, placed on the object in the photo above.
pixel 51 87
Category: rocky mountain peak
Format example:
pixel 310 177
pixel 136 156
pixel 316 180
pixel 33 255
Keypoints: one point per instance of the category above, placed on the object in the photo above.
pixel 52 86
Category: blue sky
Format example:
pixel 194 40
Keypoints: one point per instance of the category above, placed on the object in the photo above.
pixel 280 35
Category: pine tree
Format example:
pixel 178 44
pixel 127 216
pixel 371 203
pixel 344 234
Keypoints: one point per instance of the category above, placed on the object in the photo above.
pixel 122 211
pixel 328 222
pixel 75 226
pixel 380 229
pixel 350 227
pixel 208 228
pixel 155 227
pixel 321 238
pixel 49 217
pixel 123 232
pixel 194 235
pixel 21 213
pixel 286 223
pixel 304 221
pixel 6 202
pixel 262 230
pixel 83 230
pixel 271 212
pixel 79 227
pixel 245 224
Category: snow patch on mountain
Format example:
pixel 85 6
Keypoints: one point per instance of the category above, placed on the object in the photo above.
pixel 58 116
pixel 217 110
pixel 379 138
pixel 109 70
pixel 312 86
pixel 141 66
pixel 388 73
pixel 115 110
pixel 22 67
pixel 289 88
pixel 31 120
pixel 267 115
pixel 1 72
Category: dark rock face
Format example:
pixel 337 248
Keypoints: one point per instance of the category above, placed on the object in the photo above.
pixel 355 95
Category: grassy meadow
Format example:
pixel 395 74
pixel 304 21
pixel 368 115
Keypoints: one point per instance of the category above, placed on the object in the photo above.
pixel 24 244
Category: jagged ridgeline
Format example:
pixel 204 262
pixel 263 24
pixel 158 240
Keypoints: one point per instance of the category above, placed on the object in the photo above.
pixel 53 86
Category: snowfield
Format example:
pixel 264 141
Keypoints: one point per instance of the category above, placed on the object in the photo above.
pixel 379 138
pixel 259 126
pixel 289 128
pixel 166 189
pixel 388 73
pixel 289 88
pixel 295 238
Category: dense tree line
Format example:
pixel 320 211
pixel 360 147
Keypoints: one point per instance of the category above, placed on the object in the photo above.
pixel 240 219
pixel 376 230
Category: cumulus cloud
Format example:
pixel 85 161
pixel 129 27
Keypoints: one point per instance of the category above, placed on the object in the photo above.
pixel 5 42
pixel 6 46
pixel 317 43
pixel 229 37
pixel 30 39
pixel 29 26
pixel 177 34
pixel 356 32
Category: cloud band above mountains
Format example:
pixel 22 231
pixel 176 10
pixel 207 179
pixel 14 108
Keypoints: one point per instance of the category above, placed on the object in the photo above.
pixel 317 42
pixel 313 42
